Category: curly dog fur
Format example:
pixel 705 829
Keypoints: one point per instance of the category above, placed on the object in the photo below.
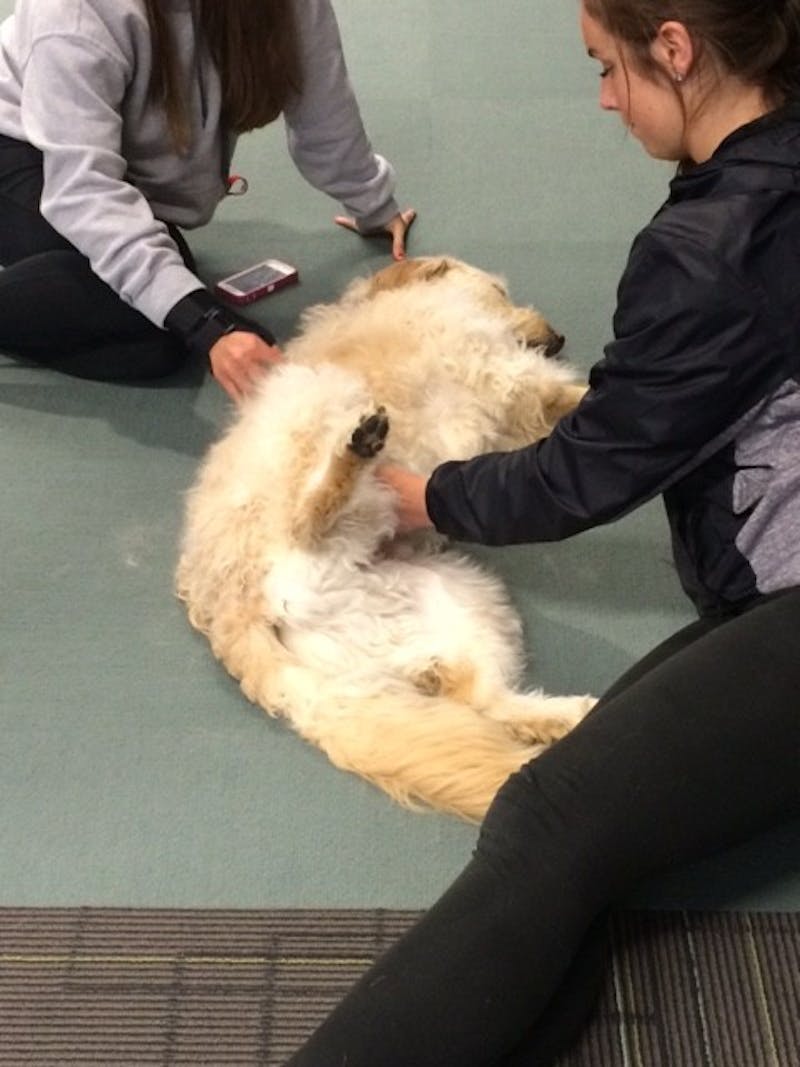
pixel 398 656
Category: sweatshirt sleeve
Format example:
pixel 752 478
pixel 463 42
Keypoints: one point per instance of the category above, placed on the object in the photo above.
pixel 325 133
pixel 688 334
pixel 71 110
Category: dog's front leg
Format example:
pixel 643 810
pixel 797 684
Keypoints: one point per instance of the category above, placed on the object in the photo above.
pixel 536 404
pixel 319 506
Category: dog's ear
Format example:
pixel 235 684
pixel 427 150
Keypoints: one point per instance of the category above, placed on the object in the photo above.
pixel 408 271
pixel 434 267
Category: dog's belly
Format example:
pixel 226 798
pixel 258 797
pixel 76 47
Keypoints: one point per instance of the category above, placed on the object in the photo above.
pixel 370 629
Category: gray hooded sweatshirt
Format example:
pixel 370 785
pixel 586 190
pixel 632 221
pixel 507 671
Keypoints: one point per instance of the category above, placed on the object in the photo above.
pixel 74 77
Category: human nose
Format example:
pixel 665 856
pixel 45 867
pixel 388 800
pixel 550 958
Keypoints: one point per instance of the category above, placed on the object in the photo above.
pixel 608 99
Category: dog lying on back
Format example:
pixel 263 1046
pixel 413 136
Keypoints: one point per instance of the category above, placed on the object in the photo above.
pixel 399 657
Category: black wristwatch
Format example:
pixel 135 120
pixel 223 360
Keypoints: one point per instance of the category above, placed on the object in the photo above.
pixel 199 321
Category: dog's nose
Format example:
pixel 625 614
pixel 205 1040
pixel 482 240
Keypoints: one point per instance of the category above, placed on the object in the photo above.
pixel 554 345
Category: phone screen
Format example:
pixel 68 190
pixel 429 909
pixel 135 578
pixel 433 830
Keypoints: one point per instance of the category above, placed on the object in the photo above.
pixel 256 277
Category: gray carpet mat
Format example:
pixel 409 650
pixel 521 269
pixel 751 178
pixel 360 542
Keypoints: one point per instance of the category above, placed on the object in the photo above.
pixel 113 987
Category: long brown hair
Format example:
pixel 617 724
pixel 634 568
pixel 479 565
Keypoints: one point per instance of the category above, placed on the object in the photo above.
pixel 758 41
pixel 255 47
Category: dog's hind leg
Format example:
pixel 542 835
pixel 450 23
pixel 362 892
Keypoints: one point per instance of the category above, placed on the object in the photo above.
pixel 536 718
pixel 531 717
pixel 319 504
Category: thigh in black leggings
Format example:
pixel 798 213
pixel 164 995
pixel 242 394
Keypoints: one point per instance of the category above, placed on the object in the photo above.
pixel 696 753
pixel 53 307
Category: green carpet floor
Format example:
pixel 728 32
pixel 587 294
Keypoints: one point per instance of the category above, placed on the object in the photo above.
pixel 132 770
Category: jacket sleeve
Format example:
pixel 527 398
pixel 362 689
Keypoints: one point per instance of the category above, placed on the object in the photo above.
pixel 325 133
pixel 689 346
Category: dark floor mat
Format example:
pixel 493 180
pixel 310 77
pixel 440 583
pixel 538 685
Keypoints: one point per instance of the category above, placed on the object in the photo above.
pixel 95 986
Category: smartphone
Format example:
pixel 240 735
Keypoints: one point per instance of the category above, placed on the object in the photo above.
pixel 254 282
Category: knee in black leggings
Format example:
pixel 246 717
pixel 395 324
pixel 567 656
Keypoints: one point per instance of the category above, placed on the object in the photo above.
pixel 555 823
pixel 692 756
pixel 54 310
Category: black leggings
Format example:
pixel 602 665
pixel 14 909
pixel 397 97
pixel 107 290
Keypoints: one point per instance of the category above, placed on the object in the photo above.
pixel 693 750
pixel 54 309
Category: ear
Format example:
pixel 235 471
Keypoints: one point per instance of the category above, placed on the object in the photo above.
pixel 408 271
pixel 673 49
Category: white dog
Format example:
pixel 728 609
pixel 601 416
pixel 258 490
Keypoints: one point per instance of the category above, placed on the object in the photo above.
pixel 397 657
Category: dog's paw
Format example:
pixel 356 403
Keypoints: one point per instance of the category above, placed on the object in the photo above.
pixel 543 731
pixel 545 719
pixel 369 436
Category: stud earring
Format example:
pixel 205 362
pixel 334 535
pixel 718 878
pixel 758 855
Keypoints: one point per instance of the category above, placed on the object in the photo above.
pixel 678 77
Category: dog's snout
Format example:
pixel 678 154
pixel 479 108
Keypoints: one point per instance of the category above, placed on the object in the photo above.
pixel 554 345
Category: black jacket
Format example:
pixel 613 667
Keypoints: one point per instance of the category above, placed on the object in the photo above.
pixel 697 397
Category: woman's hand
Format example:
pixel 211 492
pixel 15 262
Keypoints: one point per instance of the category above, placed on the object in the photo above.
pixel 412 514
pixel 239 360
pixel 396 228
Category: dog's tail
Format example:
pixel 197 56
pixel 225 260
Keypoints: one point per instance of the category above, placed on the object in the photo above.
pixel 422 750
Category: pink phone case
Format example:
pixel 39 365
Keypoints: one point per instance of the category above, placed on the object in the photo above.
pixel 257 281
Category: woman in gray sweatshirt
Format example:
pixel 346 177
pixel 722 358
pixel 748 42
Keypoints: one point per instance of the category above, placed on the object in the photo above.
pixel 118 121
